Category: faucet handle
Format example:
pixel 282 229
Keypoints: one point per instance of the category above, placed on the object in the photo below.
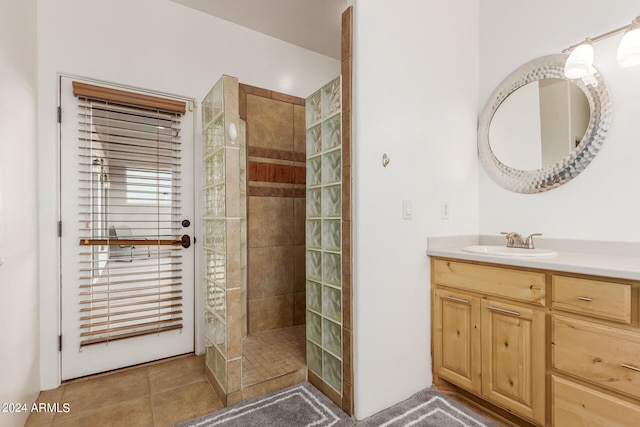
pixel 529 242
pixel 512 238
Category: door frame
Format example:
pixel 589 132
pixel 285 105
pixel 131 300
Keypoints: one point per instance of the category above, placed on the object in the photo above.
pixel 50 332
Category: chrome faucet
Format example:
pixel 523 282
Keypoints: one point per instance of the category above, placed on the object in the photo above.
pixel 514 240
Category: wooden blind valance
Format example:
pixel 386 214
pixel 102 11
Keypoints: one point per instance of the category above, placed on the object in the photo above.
pixel 85 90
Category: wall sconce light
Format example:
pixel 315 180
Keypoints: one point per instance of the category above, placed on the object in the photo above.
pixel 629 47
pixel 580 60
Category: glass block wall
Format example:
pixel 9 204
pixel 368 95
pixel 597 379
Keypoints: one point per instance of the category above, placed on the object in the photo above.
pixel 323 234
pixel 224 233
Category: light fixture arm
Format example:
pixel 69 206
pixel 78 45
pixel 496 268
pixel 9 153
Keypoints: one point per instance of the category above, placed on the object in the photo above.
pixel 604 35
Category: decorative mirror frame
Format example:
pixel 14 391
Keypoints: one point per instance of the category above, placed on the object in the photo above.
pixel 539 180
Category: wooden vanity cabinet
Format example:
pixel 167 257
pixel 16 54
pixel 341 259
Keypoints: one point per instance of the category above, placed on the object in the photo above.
pixel 595 352
pixel 489 334
pixel 571 358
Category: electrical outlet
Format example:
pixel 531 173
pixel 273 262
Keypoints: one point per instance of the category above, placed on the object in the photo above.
pixel 444 210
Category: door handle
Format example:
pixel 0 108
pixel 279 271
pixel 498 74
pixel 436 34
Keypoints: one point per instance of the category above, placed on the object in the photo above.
pixel 185 241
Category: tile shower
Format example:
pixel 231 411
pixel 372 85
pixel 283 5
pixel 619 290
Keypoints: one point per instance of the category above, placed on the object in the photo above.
pixel 272 246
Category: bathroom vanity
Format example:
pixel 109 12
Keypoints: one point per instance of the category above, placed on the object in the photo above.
pixel 553 341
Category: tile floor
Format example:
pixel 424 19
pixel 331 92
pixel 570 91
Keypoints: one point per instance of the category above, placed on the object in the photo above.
pixel 167 392
pixel 271 354
pixel 156 394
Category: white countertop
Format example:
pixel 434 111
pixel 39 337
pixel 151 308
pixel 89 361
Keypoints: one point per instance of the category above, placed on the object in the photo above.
pixel 611 259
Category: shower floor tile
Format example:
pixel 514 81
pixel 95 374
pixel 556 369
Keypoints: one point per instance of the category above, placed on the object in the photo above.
pixel 270 354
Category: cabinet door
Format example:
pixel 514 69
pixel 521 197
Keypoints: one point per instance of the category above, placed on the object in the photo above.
pixel 456 342
pixel 513 358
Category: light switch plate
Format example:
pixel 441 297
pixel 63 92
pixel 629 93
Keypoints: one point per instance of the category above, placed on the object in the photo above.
pixel 407 209
pixel 444 210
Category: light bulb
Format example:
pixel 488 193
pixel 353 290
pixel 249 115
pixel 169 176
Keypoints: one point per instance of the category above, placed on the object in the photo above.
pixel 580 61
pixel 629 47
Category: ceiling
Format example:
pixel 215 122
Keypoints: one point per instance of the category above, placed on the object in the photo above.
pixel 311 24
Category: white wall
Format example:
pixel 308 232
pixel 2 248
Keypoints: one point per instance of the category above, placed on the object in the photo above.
pixel 152 44
pixel 603 202
pixel 415 98
pixel 19 324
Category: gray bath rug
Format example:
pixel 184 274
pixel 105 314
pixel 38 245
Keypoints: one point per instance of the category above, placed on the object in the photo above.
pixel 426 408
pixel 299 405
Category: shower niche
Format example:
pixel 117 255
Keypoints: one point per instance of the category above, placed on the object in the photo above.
pixel 271 205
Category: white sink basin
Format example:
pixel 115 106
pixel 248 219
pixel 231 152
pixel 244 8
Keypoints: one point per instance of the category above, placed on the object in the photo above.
pixel 505 251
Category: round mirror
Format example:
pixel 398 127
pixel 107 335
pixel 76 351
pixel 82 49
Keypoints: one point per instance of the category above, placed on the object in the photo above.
pixel 540 129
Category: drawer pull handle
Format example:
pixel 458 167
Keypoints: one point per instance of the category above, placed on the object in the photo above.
pixel 633 368
pixel 502 310
pixel 585 299
pixel 463 301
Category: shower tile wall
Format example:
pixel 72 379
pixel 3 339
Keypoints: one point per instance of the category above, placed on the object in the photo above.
pixel 276 208
pixel 224 167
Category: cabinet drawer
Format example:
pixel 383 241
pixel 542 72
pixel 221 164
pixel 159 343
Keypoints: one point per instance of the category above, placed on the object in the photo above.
pixel 502 282
pixel 574 404
pixel 606 300
pixel 601 354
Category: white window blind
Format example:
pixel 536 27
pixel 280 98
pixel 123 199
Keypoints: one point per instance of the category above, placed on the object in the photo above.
pixel 130 207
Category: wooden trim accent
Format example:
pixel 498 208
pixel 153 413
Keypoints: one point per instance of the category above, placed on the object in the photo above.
pixel 271 94
pixel 347 250
pixel 129 242
pixel 272 172
pixel 85 90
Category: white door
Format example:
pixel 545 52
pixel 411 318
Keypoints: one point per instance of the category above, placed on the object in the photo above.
pixel 126 210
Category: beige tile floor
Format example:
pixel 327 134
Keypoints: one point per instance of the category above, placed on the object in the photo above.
pixel 167 392
pixel 272 354
pixel 157 394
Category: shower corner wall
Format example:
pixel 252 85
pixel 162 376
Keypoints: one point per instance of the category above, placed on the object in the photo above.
pixel 224 225
pixel 330 342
